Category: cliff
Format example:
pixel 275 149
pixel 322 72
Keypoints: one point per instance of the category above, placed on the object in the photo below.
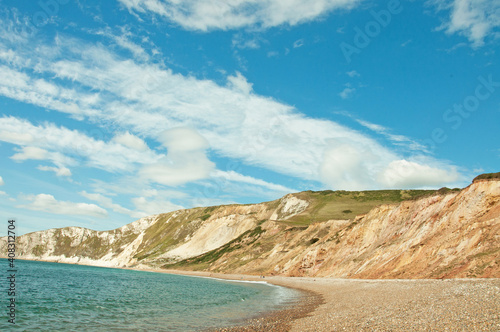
pixel 370 234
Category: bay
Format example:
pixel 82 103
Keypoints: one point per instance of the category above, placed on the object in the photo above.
pixel 64 297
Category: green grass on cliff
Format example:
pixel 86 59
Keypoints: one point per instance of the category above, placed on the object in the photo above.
pixel 169 231
pixel 327 205
pixel 487 176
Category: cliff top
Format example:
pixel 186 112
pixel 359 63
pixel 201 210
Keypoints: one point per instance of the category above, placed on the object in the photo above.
pixel 487 176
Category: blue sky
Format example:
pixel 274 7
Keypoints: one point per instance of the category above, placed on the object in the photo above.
pixel 115 110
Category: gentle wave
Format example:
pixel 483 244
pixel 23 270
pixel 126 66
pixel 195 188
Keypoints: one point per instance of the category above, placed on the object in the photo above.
pixel 62 297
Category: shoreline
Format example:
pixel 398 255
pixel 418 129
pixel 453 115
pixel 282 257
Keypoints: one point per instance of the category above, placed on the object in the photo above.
pixel 277 320
pixel 331 304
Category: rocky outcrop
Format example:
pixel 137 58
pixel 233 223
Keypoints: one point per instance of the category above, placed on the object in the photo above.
pixel 377 234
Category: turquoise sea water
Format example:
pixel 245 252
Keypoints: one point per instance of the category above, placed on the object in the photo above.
pixel 63 297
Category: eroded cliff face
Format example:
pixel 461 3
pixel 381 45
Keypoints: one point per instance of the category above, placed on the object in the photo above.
pixel 439 236
pixel 84 246
pixel 160 238
pixel 454 234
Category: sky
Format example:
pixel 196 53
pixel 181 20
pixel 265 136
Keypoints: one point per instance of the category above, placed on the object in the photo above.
pixel 115 110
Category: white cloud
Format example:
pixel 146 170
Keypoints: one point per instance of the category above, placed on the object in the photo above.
pixel 395 139
pixel 347 93
pixel 237 177
pixel 408 174
pixel 185 161
pixel 239 83
pixel 48 203
pixel 353 73
pixel 406 43
pixel 30 152
pixel 131 141
pixel 207 15
pixel 475 19
pixel 1 181
pixel 156 206
pixel 245 42
pixel 60 171
pixel 298 43
pixel 36 153
pixel 106 202
pixel 69 147
pixel 142 205
pixel 20 86
pixel 124 40
pixel 372 126
pixel 348 167
pixel 145 99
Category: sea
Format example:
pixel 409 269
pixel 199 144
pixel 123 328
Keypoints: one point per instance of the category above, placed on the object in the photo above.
pixel 64 297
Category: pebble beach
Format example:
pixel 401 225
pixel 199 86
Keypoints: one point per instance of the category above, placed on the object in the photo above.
pixel 379 305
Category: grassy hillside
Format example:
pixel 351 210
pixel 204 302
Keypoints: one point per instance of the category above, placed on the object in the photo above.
pixel 419 239
pixel 323 206
pixel 487 176
pixel 170 230
pixel 327 205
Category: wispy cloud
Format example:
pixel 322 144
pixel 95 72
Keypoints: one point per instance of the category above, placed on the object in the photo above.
pixel 272 54
pixel 123 38
pixel 395 139
pixel 233 176
pixel 406 43
pixel 475 19
pixel 353 73
pixel 131 141
pixel 60 171
pixel 207 15
pixel 409 174
pixel 298 43
pixel 185 162
pixel 48 203
pixel 347 93
pixel 243 41
pixel 106 202
pixel 66 147
pixel 144 99
pixel 147 207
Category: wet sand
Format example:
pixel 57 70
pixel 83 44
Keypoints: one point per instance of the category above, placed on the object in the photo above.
pixel 378 305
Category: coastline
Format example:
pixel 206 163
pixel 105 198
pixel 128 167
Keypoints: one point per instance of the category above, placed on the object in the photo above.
pixel 331 304
pixel 278 320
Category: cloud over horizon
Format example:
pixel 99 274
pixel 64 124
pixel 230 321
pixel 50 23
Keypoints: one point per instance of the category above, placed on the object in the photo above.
pixel 174 104
pixel 48 203
pixel 233 121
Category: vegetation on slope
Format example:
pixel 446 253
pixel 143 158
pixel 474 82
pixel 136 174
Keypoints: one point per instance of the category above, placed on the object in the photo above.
pixel 487 176
pixel 170 230
pixel 203 261
pixel 410 244
pixel 341 205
